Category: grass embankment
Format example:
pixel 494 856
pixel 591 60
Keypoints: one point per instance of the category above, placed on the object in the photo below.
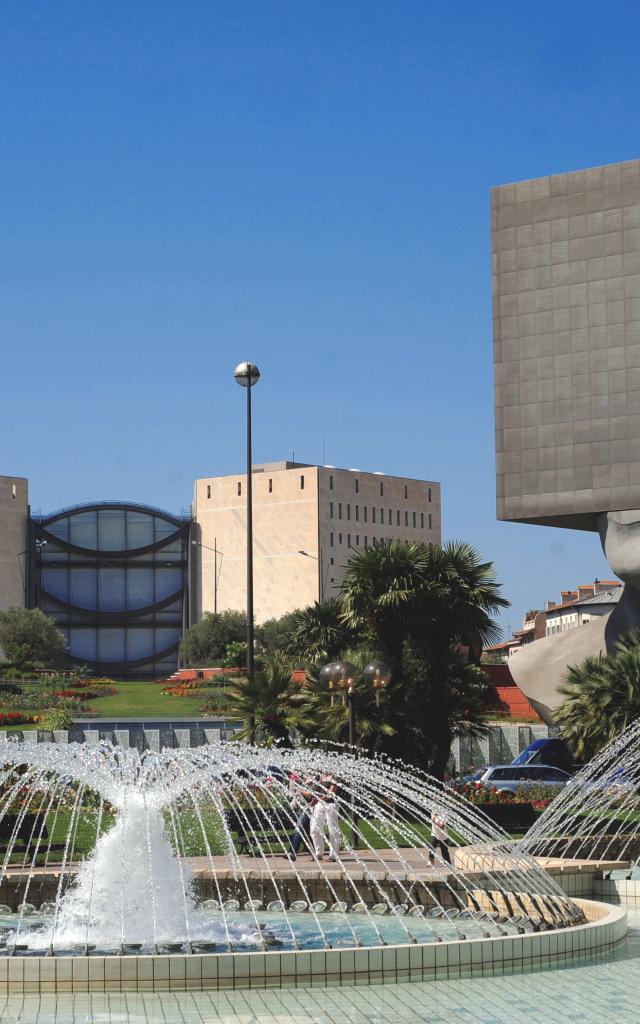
pixel 190 834
pixel 132 700
pixel 145 700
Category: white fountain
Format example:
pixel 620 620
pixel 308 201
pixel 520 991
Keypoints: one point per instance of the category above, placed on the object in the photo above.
pixel 165 894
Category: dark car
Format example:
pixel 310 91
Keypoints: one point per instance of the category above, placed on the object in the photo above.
pixel 551 751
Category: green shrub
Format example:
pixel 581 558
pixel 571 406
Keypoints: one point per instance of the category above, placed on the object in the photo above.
pixel 56 718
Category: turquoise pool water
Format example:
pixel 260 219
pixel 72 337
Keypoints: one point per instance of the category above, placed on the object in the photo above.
pixel 606 991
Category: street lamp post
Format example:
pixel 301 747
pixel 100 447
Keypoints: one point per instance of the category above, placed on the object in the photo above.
pixel 246 375
pixel 216 572
pixel 321 573
pixel 343 676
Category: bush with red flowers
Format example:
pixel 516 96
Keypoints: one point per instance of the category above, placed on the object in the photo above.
pixel 16 718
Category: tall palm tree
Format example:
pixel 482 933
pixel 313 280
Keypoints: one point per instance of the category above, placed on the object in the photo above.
pixel 602 697
pixel 320 631
pixel 444 592
pixel 419 603
pixel 271 706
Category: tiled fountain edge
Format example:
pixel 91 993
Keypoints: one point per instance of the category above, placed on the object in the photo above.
pixel 606 926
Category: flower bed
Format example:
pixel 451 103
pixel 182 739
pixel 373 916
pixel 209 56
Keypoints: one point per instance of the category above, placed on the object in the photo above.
pixel 81 695
pixel 16 718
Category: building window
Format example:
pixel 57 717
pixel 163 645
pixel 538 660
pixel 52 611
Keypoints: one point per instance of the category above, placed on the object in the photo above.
pixel 422 520
pixel 270 485
pixel 208 490
pixel 330 510
pixel 349 512
pixel 239 488
pixel 373 515
pixel 357 513
pixel 339 510
pixel 364 512
pixel 332 560
pixel 357 540
pixel 348 540
pixel 406 491
pixel 398 517
pixel 429 494
pixel 382 516
pixel 366 542
pixel 430 522
pixel 331 482
pixel 357 486
pixel 339 538
pixel 302 483
pixel 406 518
pixel 331 540
pixel 390 517
pixel 414 520
pixel 381 488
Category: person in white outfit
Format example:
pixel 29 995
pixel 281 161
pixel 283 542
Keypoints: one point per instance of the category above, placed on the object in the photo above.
pixel 325 815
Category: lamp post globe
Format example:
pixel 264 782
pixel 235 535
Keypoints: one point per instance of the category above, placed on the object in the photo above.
pixel 346 676
pixel 246 374
pixel 327 675
pixel 378 675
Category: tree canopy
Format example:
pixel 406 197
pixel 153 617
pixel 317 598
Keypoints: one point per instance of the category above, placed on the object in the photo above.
pixel 29 638
pixel 207 640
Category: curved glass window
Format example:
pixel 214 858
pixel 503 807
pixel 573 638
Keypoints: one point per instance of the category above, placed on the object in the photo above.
pixel 112 529
pixel 115 586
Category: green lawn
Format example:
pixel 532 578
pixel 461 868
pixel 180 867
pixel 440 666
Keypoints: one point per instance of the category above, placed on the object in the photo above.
pixel 145 699
pixel 191 840
pixel 133 700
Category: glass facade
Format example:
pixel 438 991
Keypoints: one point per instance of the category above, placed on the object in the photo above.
pixel 113 576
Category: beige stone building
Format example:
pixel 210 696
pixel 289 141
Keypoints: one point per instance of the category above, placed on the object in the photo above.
pixel 307 522
pixel 14 531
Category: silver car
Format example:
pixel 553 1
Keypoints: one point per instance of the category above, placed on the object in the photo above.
pixel 506 778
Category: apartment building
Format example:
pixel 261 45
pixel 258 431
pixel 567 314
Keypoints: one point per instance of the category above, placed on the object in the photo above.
pixel 307 521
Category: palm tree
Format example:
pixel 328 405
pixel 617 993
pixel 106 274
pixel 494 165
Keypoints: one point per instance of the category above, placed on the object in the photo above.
pixel 419 604
pixel 271 706
pixel 602 697
pixel 397 588
pixel 320 632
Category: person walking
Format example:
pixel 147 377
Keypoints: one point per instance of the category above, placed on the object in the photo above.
pixel 439 837
pixel 302 801
pixel 325 815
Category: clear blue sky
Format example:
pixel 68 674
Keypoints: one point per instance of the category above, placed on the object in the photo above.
pixel 188 184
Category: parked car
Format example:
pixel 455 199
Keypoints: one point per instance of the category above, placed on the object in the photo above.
pixel 507 778
pixel 551 751
pixel 474 776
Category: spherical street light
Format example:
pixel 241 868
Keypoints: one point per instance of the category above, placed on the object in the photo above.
pixel 346 676
pixel 378 675
pixel 246 374
pixel 327 676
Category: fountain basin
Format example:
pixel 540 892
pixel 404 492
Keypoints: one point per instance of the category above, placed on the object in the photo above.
pixel 605 927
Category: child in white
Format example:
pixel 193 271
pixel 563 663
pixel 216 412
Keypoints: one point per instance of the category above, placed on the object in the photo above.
pixel 325 814
pixel 439 836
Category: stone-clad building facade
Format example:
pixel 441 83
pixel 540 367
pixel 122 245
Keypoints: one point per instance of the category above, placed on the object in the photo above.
pixel 307 522
pixel 566 294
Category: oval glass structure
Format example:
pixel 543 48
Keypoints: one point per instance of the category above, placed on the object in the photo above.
pixel 114 577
